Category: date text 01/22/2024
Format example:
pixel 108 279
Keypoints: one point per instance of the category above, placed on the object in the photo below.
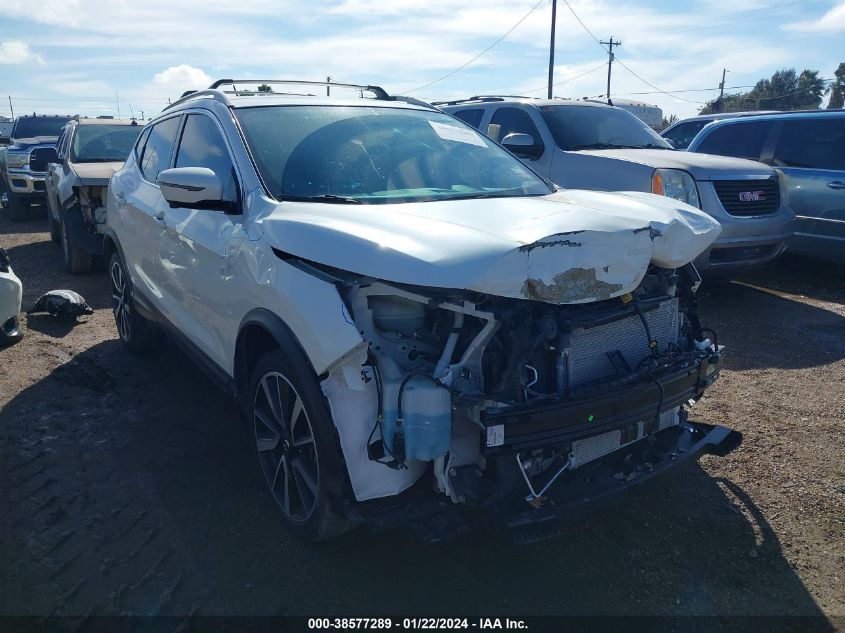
pixel 416 624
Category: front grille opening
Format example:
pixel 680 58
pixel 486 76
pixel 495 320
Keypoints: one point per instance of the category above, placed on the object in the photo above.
pixel 745 198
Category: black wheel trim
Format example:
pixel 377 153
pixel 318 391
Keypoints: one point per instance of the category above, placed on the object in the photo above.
pixel 121 306
pixel 286 446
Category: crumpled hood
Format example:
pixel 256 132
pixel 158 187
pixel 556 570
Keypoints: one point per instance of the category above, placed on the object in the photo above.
pixel 95 173
pixel 570 247
pixel 701 166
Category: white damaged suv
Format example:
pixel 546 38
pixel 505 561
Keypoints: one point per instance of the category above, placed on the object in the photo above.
pixel 418 329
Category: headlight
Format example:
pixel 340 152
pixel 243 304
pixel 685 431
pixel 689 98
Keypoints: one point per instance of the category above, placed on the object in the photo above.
pixel 16 160
pixel 677 184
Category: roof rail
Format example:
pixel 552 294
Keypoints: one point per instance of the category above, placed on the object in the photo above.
pixel 193 94
pixel 482 98
pixel 377 91
pixel 214 91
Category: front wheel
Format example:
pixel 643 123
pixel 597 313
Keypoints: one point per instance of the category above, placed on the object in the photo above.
pixel 18 208
pixel 295 445
pixel 55 229
pixel 76 260
pixel 136 332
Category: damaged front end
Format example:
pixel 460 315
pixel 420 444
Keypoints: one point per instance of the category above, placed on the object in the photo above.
pixel 84 215
pixel 521 408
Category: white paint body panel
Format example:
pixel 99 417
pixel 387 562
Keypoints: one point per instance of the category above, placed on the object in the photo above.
pixel 11 293
pixel 495 245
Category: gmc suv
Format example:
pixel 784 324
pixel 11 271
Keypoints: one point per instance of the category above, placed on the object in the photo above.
pixel 591 145
pixel 416 327
pixel 23 164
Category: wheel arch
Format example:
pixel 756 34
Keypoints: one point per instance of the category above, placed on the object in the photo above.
pixel 261 331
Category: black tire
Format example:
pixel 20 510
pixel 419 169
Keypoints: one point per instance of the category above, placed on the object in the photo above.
pixel 76 260
pixel 136 332
pixel 18 208
pixel 55 229
pixel 296 442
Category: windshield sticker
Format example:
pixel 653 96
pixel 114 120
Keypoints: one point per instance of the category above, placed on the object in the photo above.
pixel 459 134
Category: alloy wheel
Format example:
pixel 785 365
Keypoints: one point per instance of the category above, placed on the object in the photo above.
pixel 120 301
pixel 287 451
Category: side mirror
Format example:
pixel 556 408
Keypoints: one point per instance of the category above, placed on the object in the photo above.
pixel 193 188
pixel 669 140
pixel 523 145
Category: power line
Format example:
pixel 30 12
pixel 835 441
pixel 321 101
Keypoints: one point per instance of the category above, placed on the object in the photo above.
pixel 623 64
pixel 566 81
pixel 648 83
pixel 459 68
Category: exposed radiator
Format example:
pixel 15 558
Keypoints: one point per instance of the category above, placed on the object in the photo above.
pixel 588 353
pixel 591 448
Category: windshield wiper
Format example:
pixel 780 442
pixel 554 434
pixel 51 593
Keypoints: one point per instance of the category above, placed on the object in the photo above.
pixel 598 146
pixel 326 197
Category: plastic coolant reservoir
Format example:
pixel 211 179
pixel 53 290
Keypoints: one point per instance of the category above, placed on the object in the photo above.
pixel 427 413
pixel 397 314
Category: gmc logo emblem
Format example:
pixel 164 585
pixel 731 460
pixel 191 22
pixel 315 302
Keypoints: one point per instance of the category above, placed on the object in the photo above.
pixel 752 196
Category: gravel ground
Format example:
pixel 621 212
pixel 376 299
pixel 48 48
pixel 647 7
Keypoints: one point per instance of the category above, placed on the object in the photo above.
pixel 128 487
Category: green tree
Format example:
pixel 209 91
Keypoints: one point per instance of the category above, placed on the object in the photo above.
pixel 264 88
pixel 837 89
pixel 784 90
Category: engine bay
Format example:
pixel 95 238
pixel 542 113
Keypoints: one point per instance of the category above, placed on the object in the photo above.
pixel 490 396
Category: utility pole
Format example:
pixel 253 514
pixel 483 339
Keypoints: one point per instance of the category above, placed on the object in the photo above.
pixel 328 88
pixel 552 48
pixel 610 58
pixel 721 91
pixel 11 108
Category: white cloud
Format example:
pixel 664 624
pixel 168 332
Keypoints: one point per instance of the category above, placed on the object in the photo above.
pixel 17 53
pixel 831 22
pixel 183 77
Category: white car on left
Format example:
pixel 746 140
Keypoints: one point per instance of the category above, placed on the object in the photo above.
pixel 10 302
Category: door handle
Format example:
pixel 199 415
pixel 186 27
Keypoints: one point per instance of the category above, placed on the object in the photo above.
pixel 836 184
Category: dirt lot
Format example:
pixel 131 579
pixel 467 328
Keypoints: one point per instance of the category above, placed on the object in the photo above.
pixel 128 486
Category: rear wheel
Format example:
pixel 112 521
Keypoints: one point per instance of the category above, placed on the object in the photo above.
pixel 295 444
pixel 76 260
pixel 136 332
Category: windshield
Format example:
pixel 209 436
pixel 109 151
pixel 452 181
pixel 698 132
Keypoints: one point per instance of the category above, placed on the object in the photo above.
pixel 362 154
pixel 103 143
pixel 592 127
pixel 29 127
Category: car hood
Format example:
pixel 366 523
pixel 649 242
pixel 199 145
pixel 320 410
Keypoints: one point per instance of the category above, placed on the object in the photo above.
pixel 95 173
pixel 569 247
pixel 701 166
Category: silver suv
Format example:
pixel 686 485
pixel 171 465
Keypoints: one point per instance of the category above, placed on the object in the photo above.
pixel 413 323
pixel 591 145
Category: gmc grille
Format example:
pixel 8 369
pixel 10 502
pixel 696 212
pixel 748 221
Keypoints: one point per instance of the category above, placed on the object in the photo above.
pixel 748 197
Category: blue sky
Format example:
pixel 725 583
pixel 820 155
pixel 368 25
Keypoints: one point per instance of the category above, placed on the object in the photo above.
pixel 80 56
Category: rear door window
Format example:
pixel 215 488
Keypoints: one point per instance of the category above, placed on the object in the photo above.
pixel 813 143
pixel 741 140
pixel 471 116
pixel 159 148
